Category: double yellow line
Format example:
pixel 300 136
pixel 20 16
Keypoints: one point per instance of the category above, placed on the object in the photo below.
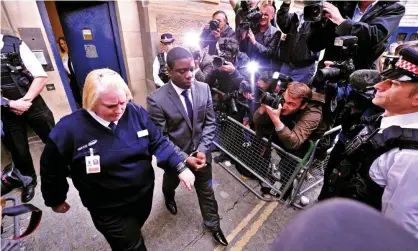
pixel 254 227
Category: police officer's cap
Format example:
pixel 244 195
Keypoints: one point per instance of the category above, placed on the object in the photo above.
pixel 406 69
pixel 167 38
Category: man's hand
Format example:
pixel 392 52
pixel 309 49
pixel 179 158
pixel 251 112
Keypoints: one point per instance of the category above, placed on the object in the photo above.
pixel 202 157
pixel 196 65
pixel 228 67
pixel 216 34
pixel 244 35
pixel 332 13
pixel 249 96
pixel 251 37
pixel 61 209
pixel 19 106
pixel 195 162
pixel 187 178
pixel 206 27
pixel 273 114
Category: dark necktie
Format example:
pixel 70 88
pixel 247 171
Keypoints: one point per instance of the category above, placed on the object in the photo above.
pixel 188 105
pixel 112 126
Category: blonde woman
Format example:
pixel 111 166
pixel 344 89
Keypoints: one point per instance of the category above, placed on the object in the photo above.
pixel 108 147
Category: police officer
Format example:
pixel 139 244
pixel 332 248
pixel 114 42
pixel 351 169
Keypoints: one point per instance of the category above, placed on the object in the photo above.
pixel 159 68
pixel 378 164
pixel 22 80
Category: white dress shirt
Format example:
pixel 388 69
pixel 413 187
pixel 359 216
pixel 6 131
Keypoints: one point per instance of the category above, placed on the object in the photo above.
pixel 105 123
pixel 29 60
pixel 156 70
pixel 358 14
pixel 183 100
pixel 397 171
pixel 65 63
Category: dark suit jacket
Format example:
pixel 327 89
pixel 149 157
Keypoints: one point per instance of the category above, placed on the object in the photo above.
pixel 168 113
pixel 205 68
pixel 373 31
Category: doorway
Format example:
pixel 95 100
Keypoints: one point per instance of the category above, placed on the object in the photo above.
pixel 86 36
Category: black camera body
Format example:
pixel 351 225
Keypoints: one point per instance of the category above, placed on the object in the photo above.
pixel 314 11
pixel 341 69
pixel 228 50
pixel 276 98
pixel 251 20
pixel 213 25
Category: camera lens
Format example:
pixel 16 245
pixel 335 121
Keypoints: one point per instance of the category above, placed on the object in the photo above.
pixel 213 25
pixel 332 74
pixel 217 62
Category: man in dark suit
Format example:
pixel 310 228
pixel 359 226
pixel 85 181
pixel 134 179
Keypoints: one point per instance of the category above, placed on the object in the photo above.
pixel 203 65
pixel 183 110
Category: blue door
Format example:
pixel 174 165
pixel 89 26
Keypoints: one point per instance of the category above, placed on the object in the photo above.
pixel 92 37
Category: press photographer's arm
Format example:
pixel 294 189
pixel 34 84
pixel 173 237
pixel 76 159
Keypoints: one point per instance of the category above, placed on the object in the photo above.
pixel 303 118
pixel 371 21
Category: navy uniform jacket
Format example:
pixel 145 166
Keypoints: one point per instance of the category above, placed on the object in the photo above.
pixel 125 159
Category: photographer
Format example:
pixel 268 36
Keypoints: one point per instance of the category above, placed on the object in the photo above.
pixel 230 68
pixel 264 84
pixel 215 29
pixel 202 64
pixel 260 43
pixel 373 22
pixel 295 59
pixel 295 122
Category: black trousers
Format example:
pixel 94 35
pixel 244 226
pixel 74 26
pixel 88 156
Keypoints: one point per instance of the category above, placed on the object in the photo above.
pixel 122 228
pixel 15 127
pixel 205 194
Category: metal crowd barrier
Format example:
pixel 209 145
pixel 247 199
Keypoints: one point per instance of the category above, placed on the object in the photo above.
pixel 244 147
pixel 280 171
pixel 312 173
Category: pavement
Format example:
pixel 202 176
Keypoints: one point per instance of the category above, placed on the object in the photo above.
pixel 248 222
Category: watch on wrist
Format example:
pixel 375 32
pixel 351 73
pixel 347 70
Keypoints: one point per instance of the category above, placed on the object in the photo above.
pixel 5 103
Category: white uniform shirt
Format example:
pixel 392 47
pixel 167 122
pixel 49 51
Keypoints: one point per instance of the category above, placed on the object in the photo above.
pixel 29 60
pixel 156 70
pixel 397 171
pixel 183 100
pixel 103 122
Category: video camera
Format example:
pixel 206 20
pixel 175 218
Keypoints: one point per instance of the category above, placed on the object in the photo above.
pixel 341 69
pixel 251 20
pixel 314 11
pixel 252 16
pixel 228 50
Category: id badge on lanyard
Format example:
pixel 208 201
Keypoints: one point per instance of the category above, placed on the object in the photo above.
pixel 92 162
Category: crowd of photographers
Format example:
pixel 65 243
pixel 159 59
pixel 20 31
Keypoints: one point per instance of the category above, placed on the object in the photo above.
pixel 353 34
pixel 269 74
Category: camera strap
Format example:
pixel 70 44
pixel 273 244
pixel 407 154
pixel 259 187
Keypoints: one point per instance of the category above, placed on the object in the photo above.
pixel 267 149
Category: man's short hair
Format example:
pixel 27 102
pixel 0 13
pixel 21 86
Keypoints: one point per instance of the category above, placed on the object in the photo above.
pixel 102 80
pixel 177 53
pixel 220 12
pixel 299 90
pixel 269 8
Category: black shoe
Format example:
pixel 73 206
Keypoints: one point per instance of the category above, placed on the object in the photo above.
pixel 29 192
pixel 219 237
pixel 221 158
pixel 171 205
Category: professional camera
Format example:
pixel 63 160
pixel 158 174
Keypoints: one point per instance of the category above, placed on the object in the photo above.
pixel 228 50
pixel 213 25
pixel 313 10
pixel 231 98
pixel 196 53
pixel 342 68
pixel 251 20
pixel 274 99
